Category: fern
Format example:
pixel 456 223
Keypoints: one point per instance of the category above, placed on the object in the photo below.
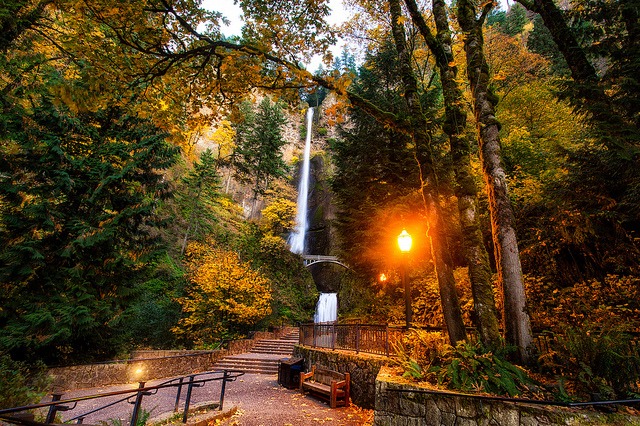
pixel 469 367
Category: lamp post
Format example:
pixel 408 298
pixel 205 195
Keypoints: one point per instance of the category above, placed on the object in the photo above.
pixel 404 242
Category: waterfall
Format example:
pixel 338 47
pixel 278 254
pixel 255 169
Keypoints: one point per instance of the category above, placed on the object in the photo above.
pixel 327 308
pixel 296 239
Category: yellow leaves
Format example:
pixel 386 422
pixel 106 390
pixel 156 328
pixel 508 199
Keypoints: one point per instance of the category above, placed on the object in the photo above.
pixel 279 216
pixel 223 138
pixel 224 292
pixel 402 20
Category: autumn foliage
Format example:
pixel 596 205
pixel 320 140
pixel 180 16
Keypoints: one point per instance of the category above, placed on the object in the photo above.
pixel 225 296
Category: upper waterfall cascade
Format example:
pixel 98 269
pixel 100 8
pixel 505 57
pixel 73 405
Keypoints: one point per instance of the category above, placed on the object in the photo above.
pixel 297 237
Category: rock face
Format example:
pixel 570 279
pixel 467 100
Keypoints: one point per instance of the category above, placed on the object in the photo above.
pixel 320 238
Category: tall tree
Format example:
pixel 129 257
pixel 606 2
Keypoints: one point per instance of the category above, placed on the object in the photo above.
pixel 517 323
pixel 611 100
pixel 440 248
pixel 79 191
pixel 475 253
pixel 258 155
pixel 600 44
pixel 200 196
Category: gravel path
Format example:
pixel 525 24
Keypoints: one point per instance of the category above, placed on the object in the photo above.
pixel 259 400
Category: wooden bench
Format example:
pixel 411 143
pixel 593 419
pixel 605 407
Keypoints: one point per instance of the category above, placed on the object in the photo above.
pixel 327 384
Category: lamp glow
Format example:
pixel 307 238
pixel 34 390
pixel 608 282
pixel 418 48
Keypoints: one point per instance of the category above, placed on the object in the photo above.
pixel 404 241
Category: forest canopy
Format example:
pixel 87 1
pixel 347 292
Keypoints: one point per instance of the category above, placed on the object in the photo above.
pixel 149 162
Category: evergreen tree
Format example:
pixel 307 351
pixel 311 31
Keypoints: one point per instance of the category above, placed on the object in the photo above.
pixel 79 192
pixel 199 198
pixel 540 41
pixel 515 20
pixel 258 155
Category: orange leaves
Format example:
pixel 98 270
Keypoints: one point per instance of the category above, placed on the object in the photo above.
pixel 612 300
pixel 225 293
pixel 511 62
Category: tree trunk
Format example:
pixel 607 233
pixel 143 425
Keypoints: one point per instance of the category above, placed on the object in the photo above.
pixel 516 318
pixel 439 243
pixel 473 247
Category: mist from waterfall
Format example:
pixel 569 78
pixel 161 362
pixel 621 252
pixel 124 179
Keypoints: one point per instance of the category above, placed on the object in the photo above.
pixel 297 237
pixel 327 308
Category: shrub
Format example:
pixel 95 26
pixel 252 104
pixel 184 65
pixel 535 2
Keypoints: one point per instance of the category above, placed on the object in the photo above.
pixel 469 367
pixel 601 362
pixel 417 351
pixel 21 384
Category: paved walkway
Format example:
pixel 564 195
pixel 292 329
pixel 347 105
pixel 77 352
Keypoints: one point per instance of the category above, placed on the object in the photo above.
pixel 259 400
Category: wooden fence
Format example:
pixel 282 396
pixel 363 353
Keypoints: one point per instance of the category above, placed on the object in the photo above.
pixel 369 338
pixel 381 339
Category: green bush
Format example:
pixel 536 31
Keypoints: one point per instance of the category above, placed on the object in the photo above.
pixel 21 384
pixel 469 367
pixel 601 362
pixel 417 351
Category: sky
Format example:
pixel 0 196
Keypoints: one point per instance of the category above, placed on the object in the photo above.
pixel 233 13
pixel 339 14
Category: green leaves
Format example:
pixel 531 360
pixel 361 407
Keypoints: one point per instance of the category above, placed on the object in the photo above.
pixel 79 193
pixel 258 156
pixel 468 367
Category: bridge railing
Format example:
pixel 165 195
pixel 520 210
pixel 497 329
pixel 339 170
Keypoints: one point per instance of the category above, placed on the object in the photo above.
pixel 369 338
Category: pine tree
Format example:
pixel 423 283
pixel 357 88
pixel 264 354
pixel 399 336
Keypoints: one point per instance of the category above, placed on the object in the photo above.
pixel 258 155
pixel 79 193
pixel 200 197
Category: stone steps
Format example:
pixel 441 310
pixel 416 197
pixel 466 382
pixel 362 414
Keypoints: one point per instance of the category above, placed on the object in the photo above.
pixel 263 358
pixel 279 347
pixel 249 365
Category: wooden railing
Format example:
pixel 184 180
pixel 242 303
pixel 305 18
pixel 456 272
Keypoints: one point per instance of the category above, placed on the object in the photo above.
pixel 369 338
pixel 382 339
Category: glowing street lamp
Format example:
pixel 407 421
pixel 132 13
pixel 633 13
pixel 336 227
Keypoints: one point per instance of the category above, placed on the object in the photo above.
pixel 404 242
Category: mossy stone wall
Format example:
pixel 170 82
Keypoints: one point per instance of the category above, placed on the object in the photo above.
pixel 397 405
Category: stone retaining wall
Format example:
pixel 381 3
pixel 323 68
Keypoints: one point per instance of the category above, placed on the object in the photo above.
pixel 146 365
pixel 363 369
pixel 394 408
pixel 132 371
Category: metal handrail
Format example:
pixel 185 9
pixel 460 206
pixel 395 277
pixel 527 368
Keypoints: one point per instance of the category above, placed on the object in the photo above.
pixel 57 404
pixel 520 400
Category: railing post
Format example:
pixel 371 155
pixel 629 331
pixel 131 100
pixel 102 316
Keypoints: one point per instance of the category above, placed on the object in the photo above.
pixel 175 408
pixel 51 415
pixel 314 335
pixel 386 340
pixel 357 338
pixel 136 405
pixel 187 401
pixel 222 388
pixel 333 336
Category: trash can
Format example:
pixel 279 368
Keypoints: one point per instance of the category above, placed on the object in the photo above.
pixel 289 372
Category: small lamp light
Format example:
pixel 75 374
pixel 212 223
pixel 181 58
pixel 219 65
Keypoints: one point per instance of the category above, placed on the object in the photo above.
pixel 404 241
